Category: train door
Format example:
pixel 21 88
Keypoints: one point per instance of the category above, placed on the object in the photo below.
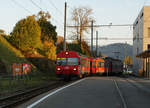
pixel 91 63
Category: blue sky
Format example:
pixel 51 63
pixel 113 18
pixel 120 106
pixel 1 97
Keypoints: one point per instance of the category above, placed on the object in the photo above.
pixel 104 11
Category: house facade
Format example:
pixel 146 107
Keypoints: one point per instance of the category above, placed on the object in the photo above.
pixel 141 38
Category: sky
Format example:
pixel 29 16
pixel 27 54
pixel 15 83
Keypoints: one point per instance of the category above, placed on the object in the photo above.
pixel 104 12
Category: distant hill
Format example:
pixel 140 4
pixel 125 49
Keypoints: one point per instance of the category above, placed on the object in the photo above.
pixel 9 55
pixel 123 49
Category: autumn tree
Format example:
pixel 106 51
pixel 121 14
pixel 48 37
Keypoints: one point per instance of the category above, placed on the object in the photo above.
pixel 60 44
pixel 26 34
pixel 128 60
pixel 49 50
pixel 81 17
pixel 99 54
pixel 48 31
pixel 74 47
pixel 85 48
pixel 2 32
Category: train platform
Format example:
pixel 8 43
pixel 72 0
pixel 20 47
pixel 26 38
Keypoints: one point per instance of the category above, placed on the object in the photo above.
pixel 95 92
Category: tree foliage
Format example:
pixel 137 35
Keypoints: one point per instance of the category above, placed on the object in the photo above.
pixel 128 60
pixel 81 16
pixel 2 32
pixel 85 48
pixel 50 50
pixel 26 34
pixel 74 47
pixel 48 31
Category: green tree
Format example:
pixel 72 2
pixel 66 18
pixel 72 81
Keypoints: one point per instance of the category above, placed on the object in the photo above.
pixel 26 34
pixel 74 47
pixel 48 31
pixel 83 49
pixel 60 47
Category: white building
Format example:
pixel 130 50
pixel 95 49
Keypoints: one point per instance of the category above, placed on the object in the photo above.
pixel 141 37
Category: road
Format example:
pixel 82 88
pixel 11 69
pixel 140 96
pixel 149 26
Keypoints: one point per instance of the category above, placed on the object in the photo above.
pixel 95 92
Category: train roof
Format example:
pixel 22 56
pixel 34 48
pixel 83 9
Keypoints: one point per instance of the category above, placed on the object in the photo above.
pixel 110 58
pixel 69 54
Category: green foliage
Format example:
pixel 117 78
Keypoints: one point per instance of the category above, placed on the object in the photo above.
pixel 74 47
pixel 60 47
pixel 83 49
pixel 48 31
pixel 26 34
pixel 9 54
pixel 128 60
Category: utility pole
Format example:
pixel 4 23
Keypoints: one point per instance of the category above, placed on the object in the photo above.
pixel 77 31
pixel 65 15
pixel 96 43
pixel 92 38
pixel 125 55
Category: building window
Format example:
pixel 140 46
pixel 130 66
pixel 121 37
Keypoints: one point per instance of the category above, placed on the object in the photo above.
pixel 137 50
pixel 148 46
pixel 149 32
pixel 136 23
pixel 141 16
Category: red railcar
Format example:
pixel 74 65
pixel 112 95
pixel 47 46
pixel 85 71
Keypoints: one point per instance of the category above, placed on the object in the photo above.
pixel 70 63
pixel 115 66
pixel 108 66
pixel 101 67
pixel 92 66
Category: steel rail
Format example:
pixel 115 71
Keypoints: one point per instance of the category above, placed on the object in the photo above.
pixel 24 96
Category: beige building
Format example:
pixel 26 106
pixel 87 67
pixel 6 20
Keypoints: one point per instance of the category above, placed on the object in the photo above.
pixel 141 37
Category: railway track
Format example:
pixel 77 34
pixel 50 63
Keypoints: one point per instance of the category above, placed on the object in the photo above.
pixel 12 101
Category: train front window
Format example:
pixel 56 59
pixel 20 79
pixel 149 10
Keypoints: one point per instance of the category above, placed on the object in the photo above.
pixel 100 64
pixel 72 61
pixel 61 61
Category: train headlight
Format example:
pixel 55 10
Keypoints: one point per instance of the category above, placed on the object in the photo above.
pixel 74 69
pixel 58 68
pixel 67 53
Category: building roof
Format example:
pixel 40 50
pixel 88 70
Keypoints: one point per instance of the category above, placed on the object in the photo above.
pixel 144 54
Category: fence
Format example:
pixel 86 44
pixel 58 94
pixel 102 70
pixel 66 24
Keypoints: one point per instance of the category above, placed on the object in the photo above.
pixel 10 83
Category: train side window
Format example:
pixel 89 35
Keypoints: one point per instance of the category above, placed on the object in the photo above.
pixel 83 62
pixel 93 64
pixel 100 64
pixel 90 63
pixel 79 61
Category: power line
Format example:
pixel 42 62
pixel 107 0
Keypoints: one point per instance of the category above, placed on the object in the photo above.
pixel 105 38
pixel 15 2
pixel 52 4
pixel 41 9
pixel 70 7
pixel 109 25
pixel 35 4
